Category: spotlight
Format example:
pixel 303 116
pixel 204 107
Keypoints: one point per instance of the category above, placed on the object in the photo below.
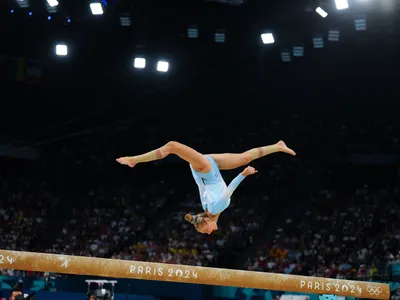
pixel 51 6
pixel 162 66
pixel 52 3
pixel 139 63
pixel 321 12
pixel 341 4
pixel 267 38
pixel 96 8
pixel 61 50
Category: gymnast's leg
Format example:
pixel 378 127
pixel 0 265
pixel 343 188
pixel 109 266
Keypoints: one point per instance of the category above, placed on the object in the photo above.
pixel 197 160
pixel 228 161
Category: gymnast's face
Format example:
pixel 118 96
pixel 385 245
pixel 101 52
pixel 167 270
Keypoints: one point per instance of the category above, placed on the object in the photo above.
pixel 207 226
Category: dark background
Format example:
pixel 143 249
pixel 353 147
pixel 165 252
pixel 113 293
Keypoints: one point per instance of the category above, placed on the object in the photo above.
pixel 240 79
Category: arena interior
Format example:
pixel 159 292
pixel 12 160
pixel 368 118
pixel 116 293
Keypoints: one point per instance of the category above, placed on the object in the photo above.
pixel 83 83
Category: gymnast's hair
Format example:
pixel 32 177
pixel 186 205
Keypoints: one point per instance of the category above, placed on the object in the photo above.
pixel 196 220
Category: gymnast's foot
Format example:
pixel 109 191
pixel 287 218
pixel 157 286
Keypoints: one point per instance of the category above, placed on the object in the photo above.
pixel 127 160
pixel 283 148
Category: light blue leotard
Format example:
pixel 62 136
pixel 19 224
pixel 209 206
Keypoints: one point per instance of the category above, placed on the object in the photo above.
pixel 215 196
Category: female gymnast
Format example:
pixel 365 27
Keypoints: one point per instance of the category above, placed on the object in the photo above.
pixel 214 194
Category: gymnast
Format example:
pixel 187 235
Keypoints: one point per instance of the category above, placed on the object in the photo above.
pixel 215 196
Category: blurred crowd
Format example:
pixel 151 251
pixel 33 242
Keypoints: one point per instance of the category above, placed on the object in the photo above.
pixel 105 210
pixel 106 221
pixel 25 206
pixel 341 235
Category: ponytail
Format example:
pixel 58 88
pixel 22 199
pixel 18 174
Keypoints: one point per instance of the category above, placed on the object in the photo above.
pixel 190 218
pixel 195 219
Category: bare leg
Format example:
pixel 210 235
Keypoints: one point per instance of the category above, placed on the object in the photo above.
pixel 196 159
pixel 228 161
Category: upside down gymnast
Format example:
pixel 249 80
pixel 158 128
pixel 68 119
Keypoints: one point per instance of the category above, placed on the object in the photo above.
pixel 215 196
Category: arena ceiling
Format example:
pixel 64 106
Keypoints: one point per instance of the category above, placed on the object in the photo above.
pixel 159 30
pixel 97 81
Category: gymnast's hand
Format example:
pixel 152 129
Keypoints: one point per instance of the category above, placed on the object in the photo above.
pixel 127 161
pixel 249 171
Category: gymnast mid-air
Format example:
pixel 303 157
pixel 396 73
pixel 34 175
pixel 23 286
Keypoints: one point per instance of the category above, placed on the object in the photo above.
pixel 215 196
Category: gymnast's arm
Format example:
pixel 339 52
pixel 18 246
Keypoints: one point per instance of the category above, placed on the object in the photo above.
pixel 235 182
pixel 217 207
pixel 220 205
pixel 232 186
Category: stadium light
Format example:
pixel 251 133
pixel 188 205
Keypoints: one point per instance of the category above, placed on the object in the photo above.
pixel 52 3
pixel 162 66
pixel 298 51
pixel 341 4
pixel 267 38
pixel 51 10
pixel 321 12
pixel 23 3
pixel 286 56
pixel 334 35
pixel 61 50
pixel 125 19
pixel 96 8
pixel 193 32
pixel 318 42
pixel 139 63
pixel 51 6
pixel 219 37
pixel 360 24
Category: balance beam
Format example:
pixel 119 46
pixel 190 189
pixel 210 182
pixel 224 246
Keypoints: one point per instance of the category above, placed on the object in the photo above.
pixel 66 264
